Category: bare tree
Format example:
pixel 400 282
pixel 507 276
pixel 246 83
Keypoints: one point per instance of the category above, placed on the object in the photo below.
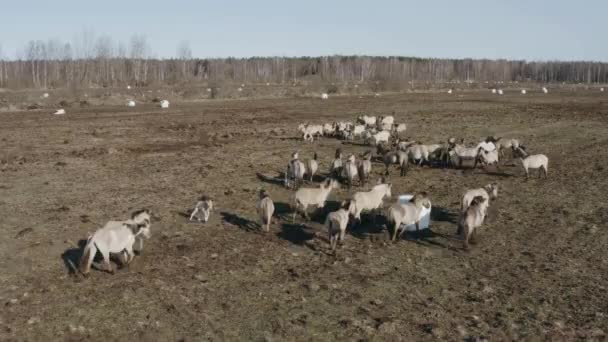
pixel 139 52
pixel 104 53
pixel 88 60
pixel 184 53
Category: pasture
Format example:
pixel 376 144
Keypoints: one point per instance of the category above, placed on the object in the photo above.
pixel 539 265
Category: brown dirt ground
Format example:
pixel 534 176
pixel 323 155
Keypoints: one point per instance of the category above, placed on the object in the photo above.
pixel 539 267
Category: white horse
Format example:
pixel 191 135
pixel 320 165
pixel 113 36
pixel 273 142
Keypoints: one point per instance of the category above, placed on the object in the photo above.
pixel 116 237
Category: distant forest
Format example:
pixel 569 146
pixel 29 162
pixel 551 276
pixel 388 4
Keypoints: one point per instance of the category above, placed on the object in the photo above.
pixel 100 63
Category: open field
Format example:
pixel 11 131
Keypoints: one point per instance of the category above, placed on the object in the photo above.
pixel 539 266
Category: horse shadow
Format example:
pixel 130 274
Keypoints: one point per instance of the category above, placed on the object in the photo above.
pixel 298 138
pixel 297 234
pixel 71 257
pixel 443 215
pixel 241 222
pixel 282 210
pixel 353 143
pixel 498 173
pixel 509 163
pixel 369 226
pixel 427 238
pixel 271 180
pixel 185 213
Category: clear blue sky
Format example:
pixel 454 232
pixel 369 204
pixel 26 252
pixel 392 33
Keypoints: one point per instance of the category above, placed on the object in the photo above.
pixel 514 29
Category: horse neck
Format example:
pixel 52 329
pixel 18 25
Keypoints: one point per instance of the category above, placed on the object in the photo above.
pixel 380 188
pixel 139 232
pixel 325 190
pixel 522 154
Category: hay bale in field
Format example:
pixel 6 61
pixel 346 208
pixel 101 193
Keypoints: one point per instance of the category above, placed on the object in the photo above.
pixel 324 96
pixel 500 92
pixel 523 91
pixel 131 103
pixel 545 90
pixel 59 112
pixel 45 95
pixel 450 91
pixel 493 91
pixel 164 104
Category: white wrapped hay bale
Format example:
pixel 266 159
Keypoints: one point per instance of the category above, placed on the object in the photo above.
pixel 131 103
pixel 324 96
pixel 164 104
pixel 59 112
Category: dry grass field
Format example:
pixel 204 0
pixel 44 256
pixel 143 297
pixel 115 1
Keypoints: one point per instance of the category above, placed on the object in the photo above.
pixel 539 267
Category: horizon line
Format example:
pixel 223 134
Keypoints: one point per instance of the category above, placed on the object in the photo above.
pixel 411 57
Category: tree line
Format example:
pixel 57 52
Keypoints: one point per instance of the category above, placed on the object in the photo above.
pixel 99 62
